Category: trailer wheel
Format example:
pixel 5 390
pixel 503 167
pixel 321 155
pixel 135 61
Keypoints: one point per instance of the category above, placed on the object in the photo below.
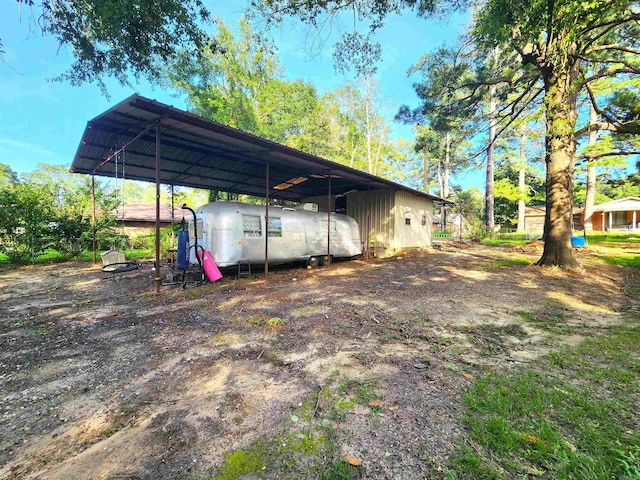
pixel 313 262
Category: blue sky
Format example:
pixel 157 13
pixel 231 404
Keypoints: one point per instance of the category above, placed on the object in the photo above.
pixel 42 121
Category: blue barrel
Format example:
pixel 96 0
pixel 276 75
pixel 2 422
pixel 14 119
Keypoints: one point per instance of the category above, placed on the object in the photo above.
pixel 577 241
pixel 182 261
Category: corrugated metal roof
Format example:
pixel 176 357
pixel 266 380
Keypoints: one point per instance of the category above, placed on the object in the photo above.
pixel 200 153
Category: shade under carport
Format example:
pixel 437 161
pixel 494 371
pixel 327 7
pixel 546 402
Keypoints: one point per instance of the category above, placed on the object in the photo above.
pixel 162 144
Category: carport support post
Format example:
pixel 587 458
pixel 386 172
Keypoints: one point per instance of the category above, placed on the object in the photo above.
pixel 266 221
pixel 157 276
pixel 93 217
pixel 329 221
pixel 368 217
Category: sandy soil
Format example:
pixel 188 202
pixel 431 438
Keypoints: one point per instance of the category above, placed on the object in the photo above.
pixel 103 379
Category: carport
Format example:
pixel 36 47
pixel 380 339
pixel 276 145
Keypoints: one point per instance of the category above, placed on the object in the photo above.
pixel 169 146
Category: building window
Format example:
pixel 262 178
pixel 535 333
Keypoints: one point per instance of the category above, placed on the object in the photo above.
pixel 275 227
pixel 424 219
pixel 619 218
pixel 407 219
pixel 251 225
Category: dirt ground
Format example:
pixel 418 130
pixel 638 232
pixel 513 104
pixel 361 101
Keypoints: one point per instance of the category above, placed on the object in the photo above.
pixel 104 379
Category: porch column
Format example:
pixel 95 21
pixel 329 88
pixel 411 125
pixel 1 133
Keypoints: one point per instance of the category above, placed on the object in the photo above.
pixel 634 219
pixel 602 220
pixel 610 220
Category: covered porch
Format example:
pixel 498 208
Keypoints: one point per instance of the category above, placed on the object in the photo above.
pixel 621 215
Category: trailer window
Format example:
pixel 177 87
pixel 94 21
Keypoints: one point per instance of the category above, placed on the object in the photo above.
pixel 424 219
pixel 407 219
pixel 251 225
pixel 191 235
pixel 275 227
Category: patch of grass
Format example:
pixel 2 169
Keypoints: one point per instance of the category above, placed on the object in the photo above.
pixel 603 238
pixel 362 391
pixel 4 258
pixel 503 242
pixel 86 256
pixel 467 464
pixel 276 322
pixel 340 470
pixel 51 256
pixel 512 236
pixel 244 461
pixel 624 260
pixel 258 321
pixel 138 254
pixel 110 431
pixel 549 318
pixel 572 415
pixel 276 359
pixel 311 452
pixel 516 261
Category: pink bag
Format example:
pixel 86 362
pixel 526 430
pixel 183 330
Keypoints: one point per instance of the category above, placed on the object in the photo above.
pixel 209 266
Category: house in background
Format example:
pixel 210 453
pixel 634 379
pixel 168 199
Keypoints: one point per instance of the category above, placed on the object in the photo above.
pixel 534 218
pixel 617 215
pixel 613 216
pixel 140 218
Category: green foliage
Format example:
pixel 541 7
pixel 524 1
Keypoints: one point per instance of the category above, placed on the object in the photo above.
pixel 543 54
pixel 7 175
pixel 51 256
pixel 516 261
pixel 119 37
pixel 507 193
pixel 240 83
pixel 276 322
pixel 50 209
pixel 470 204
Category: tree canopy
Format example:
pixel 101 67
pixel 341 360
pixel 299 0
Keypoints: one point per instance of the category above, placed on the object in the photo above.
pixel 118 38
pixel 549 51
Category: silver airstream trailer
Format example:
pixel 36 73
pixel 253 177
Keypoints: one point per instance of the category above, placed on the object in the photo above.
pixel 234 233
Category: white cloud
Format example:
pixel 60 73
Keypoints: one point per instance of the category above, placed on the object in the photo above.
pixel 24 156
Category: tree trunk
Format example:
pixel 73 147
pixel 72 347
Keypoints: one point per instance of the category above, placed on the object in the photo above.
pixel 377 159
pixel 368 132
pixel 425 173
pixel 560 145
pixel 353 152
pixel 446 167
pixel 439 175
pixel 488 204
pixel 590 196
pixel 522 187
